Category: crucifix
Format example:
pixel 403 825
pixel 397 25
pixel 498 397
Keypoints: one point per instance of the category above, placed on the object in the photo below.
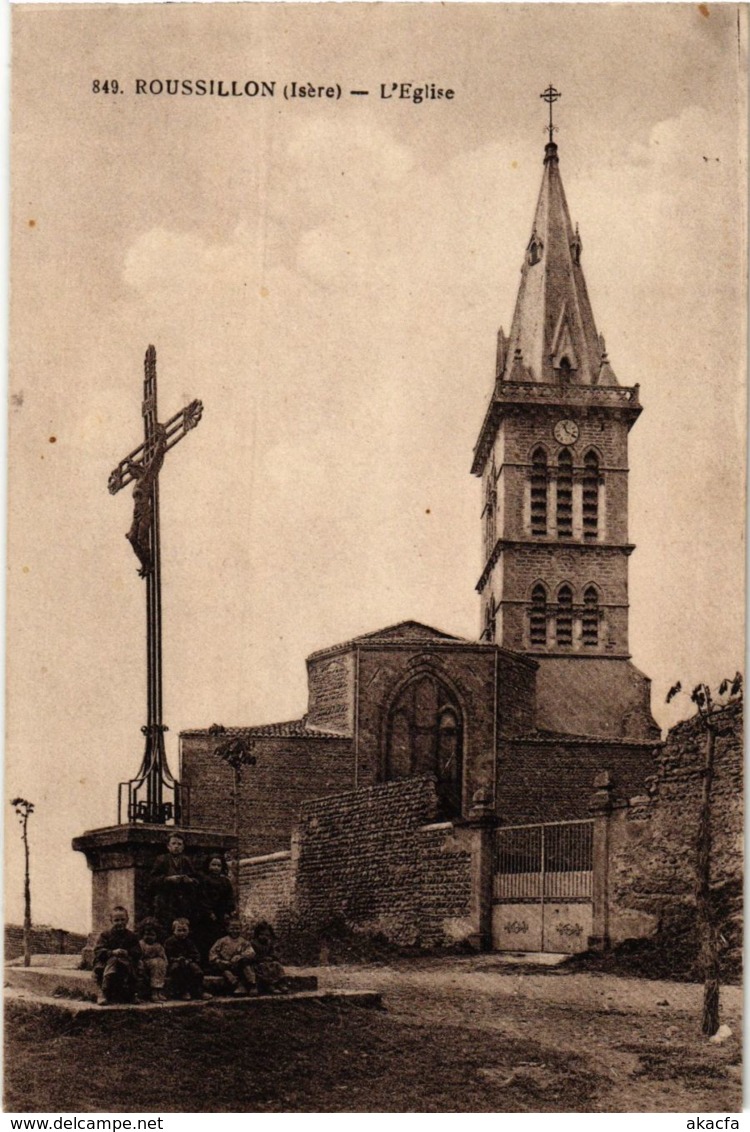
pixel 141 467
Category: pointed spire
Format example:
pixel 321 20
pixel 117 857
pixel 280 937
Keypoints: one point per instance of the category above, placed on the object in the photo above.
pixel 518 371
pixel 553 324
pixel 606 373
pixel 502 351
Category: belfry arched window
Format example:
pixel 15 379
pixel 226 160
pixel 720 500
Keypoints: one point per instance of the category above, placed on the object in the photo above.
pixel 564 620
pixel 425 737
pixel 539 480
pixel 590 495
pixel 538 616
pixel 590 618
pixel 565 494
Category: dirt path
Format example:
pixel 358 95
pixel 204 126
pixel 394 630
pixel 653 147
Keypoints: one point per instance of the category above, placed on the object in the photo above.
pixel 640 1037
pixel 456 1035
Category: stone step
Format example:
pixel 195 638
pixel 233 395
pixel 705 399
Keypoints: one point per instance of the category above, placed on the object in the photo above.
pixel 293 983
pixel 62 982
pixel 30 1002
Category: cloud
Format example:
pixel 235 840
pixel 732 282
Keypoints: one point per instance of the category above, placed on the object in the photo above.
pixel 369 148
pixel 693 131
pixel 162 259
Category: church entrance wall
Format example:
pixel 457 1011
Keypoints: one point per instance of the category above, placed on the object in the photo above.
pixel 543 887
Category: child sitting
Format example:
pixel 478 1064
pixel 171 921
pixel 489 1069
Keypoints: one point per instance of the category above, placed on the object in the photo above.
pixel 269 973
pixel 232 957
pixel 153 961
pixel 117 957
pixel 184 969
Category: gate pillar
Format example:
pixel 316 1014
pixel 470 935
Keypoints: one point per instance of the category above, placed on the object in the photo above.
pixel 601 806
pixel 481 824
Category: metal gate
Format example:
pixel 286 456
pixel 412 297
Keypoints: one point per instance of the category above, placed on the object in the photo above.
pixel 542 887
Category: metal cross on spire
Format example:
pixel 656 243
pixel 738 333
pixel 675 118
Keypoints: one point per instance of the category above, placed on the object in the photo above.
pixel 550 95
pixel 145 793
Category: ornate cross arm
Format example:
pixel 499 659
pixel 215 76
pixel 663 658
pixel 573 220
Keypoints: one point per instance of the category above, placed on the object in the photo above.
pixel 550 95
pixel 175 428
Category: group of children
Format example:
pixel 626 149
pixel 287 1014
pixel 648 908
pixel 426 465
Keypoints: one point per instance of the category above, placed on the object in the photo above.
pixel 130 967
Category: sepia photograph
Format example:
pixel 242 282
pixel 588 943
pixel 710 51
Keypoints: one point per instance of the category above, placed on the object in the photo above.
pixel 375 622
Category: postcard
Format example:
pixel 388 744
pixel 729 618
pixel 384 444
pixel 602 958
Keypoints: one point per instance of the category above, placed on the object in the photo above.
pixel 375 622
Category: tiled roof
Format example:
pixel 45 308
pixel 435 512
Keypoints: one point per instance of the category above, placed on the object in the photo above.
pixel 405 632
pixel 562 737
pixel 292 728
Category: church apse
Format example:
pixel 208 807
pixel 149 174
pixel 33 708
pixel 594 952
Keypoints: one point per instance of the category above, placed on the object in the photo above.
pixel 330 684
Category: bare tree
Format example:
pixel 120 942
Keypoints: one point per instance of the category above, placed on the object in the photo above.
pixel 24 809
pixel 237 753
pixel 708 928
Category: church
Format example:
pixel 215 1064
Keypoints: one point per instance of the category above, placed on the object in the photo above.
pixel 521 725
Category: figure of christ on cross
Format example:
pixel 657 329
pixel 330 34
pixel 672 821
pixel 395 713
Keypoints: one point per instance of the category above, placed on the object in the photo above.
pixel 144 474
pixel 141 467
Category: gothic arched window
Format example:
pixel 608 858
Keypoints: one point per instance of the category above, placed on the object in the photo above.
pixel 590 495
pixel 424 737
pixel 565 494
pixel 590 618
pixel 564 620
pixel 539 492
pixel 538 616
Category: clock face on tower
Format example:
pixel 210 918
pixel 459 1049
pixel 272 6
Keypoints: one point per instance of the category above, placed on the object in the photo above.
pixel 566 432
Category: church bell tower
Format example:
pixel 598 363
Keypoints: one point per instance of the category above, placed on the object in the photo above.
pixel 553 456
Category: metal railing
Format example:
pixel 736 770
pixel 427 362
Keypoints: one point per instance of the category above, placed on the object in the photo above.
pixel 551 861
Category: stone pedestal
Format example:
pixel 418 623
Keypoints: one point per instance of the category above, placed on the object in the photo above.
pixel 121 858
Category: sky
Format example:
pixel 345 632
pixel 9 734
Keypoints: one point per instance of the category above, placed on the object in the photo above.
pixel 329 278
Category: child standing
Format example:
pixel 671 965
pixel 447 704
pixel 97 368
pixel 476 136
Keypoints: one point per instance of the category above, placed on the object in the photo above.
pixel 174 885
pixel 184 963
pixel 232 957
pixel 153 961
pixel 117 958
pixel 217 906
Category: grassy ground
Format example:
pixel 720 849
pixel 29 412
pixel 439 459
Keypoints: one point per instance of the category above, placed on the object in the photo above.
pixel 307 1058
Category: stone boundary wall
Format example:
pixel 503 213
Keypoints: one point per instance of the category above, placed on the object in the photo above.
pixel 44 941
pixel 652 840
pixel 266 885
pixel 375 860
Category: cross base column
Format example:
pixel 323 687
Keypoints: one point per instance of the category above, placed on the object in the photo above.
pixel 121 857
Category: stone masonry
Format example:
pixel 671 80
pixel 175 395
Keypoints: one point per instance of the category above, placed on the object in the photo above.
pixel 375 859
pixel 653 839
